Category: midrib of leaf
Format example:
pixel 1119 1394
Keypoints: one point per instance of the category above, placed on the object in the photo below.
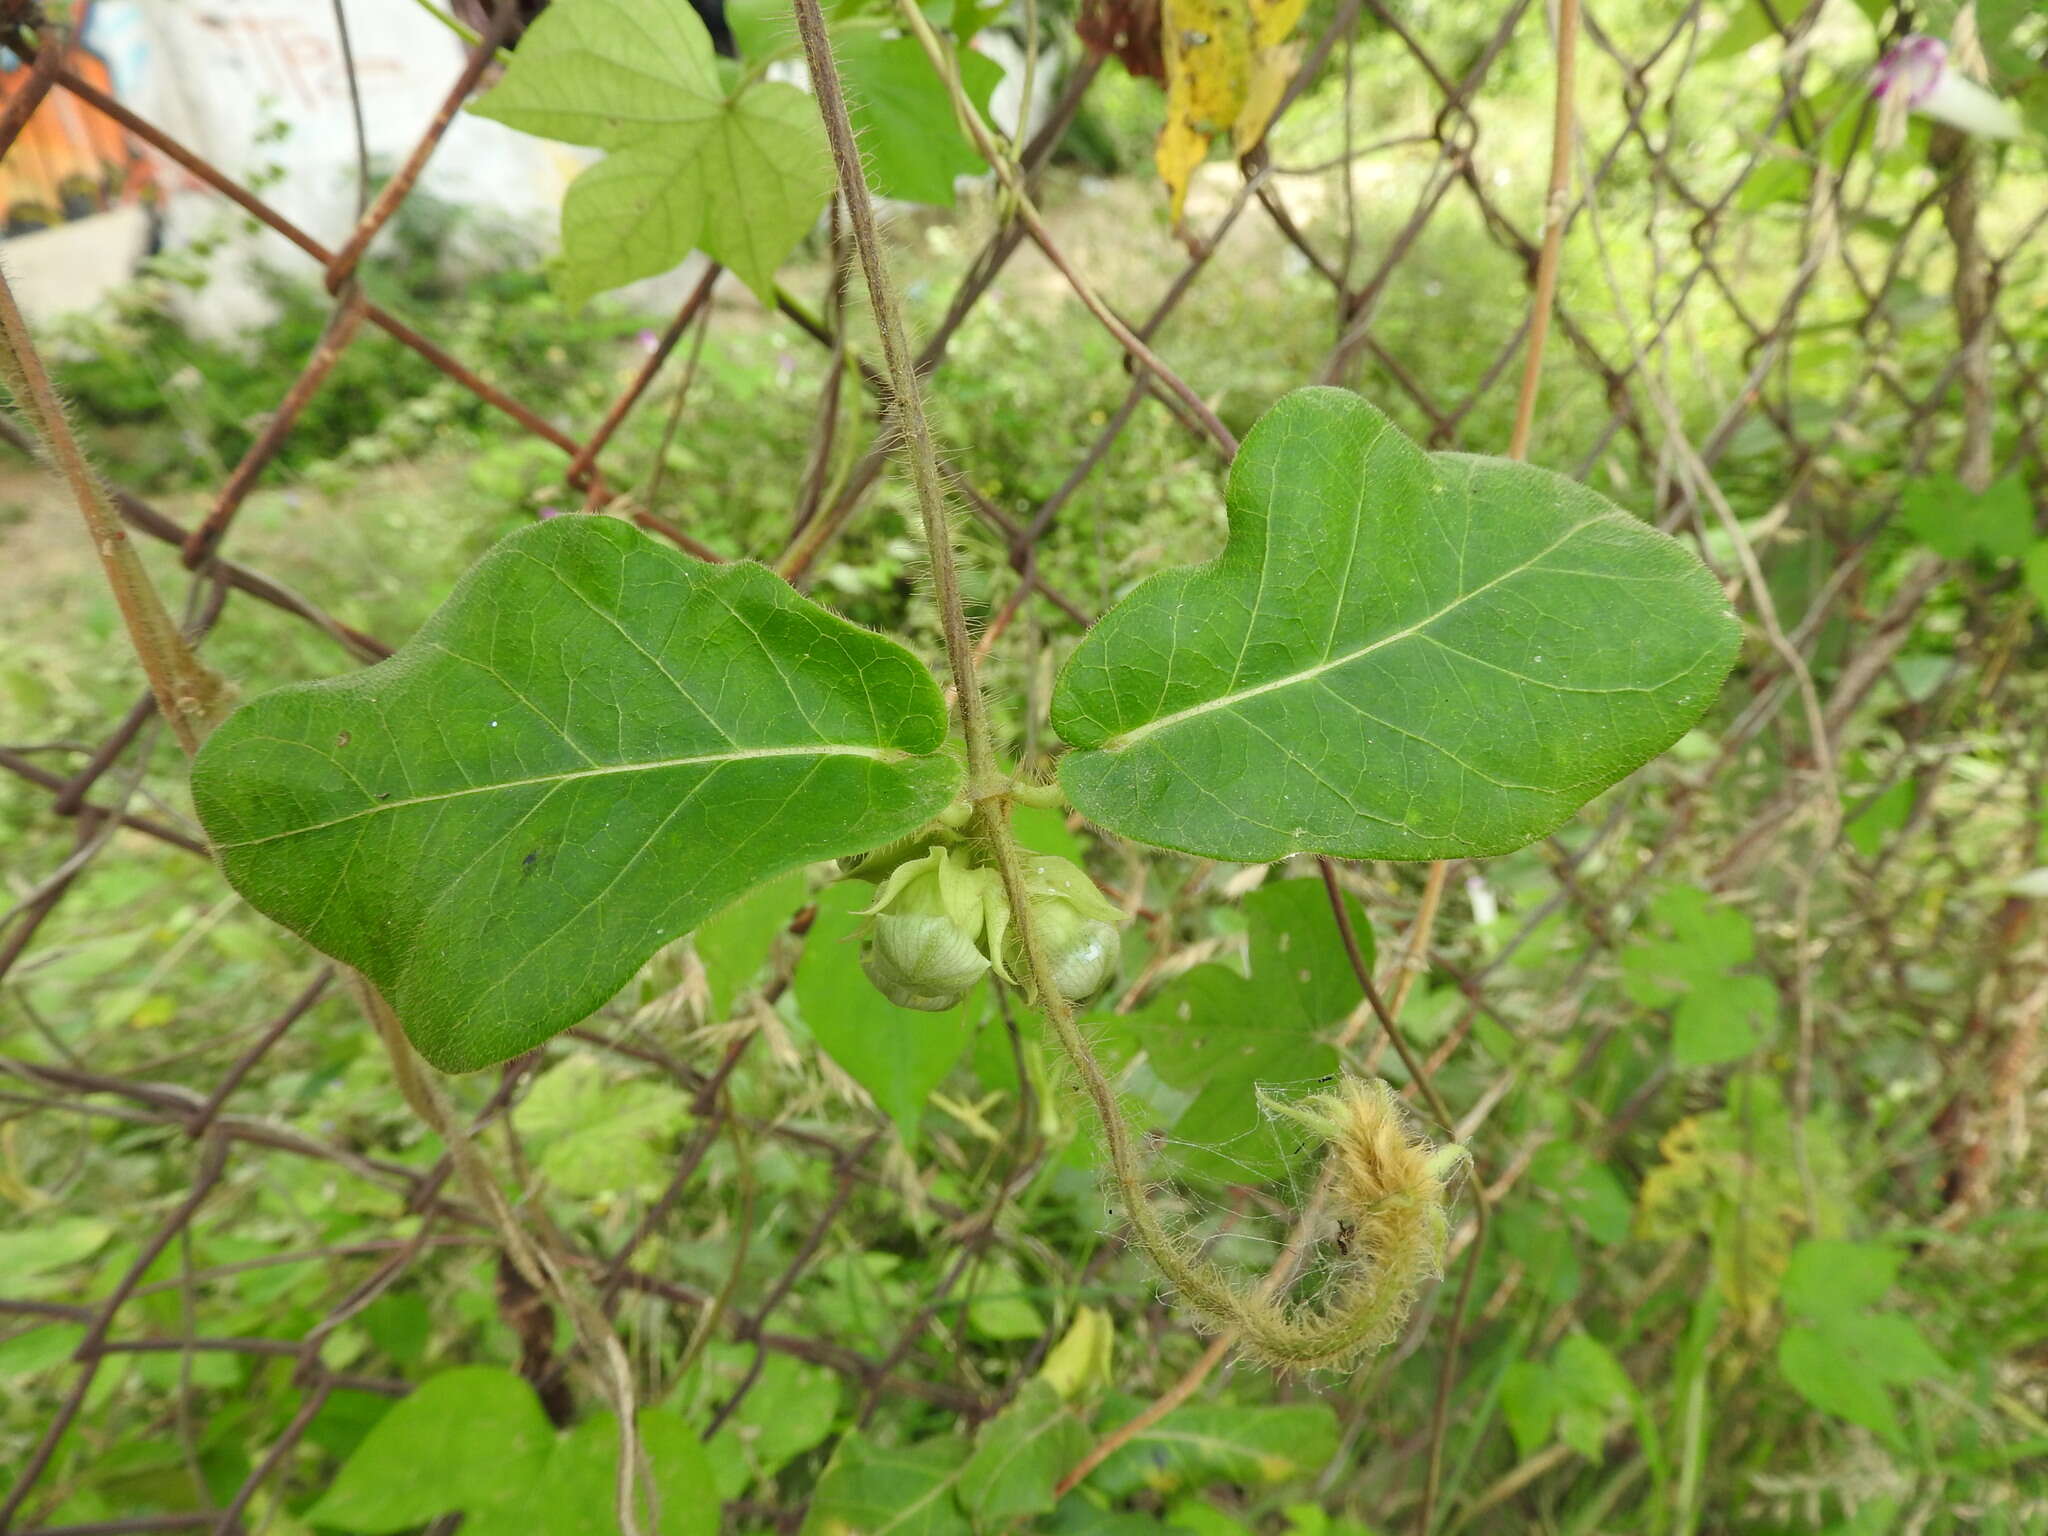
pixel 1138 733
pixel 737 755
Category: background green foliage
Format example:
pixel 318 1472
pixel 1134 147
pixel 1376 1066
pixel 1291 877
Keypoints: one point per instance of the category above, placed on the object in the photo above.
pixel 1719 1063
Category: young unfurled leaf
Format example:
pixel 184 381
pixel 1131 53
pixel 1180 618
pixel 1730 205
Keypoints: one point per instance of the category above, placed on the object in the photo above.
pixel 1734 1176
pixel 1398 655
pixel 592 746
pixel 1227 66
pixel 739 175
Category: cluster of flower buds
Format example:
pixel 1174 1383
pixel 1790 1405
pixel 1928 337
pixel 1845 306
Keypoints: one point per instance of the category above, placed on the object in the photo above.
pixel 941 921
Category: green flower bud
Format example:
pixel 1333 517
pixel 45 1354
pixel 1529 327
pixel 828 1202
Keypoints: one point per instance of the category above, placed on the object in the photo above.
pixel 937 921
pixel 925 963
pixel 1076 925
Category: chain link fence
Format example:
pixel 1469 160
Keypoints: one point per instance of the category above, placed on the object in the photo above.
pixel 1886 326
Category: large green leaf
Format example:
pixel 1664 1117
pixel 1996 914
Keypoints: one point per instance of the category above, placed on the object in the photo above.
pixel 594 745
pixel 1398 655
pixel 741 175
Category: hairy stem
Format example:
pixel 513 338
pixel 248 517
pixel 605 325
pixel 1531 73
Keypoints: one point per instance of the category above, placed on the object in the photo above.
pixel 1402 1217
pixel 190 694
pixel 986 144
pixel 906 401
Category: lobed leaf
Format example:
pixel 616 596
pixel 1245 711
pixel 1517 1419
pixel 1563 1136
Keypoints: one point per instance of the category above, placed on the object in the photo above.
pixel 1398 655
pixel 590 748
pixel 740 175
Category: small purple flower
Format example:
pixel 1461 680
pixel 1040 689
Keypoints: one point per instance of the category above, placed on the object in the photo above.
pixel 647 342
pixel 550 511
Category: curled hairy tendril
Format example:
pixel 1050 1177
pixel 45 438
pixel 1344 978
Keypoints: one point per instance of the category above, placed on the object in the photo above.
pixel 1388 1187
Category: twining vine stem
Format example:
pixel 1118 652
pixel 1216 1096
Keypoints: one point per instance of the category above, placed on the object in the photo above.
pixel 1360 1312
pixel 190 694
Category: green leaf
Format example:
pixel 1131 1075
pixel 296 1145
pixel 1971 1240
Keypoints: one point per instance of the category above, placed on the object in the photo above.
pixel 1889 1345
pixel 1812 1362
pixel 1001 1309
pixel 903 113
pixel 1215 1036
pixel 574 1493
pixel 870 1490
pixel 591 747
pixel 51 1245
pixel 39 1349
pixel 1723 1022
pixel 791 1408
pixel 480 1430
pixel 1398 655
pixel 1708 939
pixel 1957 523
pixel 1719 1016
pixel 1871 819
pixel 1567 1171
pixel 1297 952
pixel 607 73
pixel 740 177
pixel 898 1054
pixel 596 1134
pixel 1019 1456
pixel 1832 1277
pixel 1530 1400
pixel 2037 573
pixel 1587 1371
pixel 1219 1442
pixel 735 943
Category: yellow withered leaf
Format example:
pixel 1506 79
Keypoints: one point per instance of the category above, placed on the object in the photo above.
pixel 1227 65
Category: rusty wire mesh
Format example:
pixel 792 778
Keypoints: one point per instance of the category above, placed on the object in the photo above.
pixel 1765 804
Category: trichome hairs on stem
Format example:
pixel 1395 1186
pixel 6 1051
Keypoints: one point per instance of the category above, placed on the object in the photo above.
pixel 1390 1184
pixel 1387 1187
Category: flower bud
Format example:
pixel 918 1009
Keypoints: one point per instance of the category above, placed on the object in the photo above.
pixel 925 963
pixel 936 923
pixel 1076 925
